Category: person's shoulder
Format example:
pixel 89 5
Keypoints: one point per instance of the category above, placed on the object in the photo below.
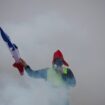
pixel 70 72
pixel 69 77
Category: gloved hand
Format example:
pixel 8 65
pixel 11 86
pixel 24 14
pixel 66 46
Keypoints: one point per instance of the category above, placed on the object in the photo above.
pixel 22 62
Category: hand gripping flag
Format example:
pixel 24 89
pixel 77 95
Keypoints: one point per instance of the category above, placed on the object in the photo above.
pixel 14 51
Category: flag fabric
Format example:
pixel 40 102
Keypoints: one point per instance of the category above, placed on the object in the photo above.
pixel 14 51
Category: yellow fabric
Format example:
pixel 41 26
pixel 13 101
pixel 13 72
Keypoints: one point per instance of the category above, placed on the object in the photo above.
pixel 65 70
pixel 56 78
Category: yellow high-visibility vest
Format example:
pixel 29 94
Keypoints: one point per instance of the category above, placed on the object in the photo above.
pixel 55 78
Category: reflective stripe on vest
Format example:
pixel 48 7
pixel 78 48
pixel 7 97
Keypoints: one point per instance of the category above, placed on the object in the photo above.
pixel 56 78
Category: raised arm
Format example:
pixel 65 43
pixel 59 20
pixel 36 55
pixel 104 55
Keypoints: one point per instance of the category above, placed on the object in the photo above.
pixel 36 73
pixel 42 73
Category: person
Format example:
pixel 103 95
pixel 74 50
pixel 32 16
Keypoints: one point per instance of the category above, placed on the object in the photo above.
pixel 58 75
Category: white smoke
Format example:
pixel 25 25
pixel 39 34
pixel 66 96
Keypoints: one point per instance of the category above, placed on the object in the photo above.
pixel 32 39
pixel 29 91
pixel 77 27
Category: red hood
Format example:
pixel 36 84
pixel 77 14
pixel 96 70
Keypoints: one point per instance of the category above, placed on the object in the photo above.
pixel 58 54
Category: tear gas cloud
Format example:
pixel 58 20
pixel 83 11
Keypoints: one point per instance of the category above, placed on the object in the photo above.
pixel 29 91
pixel 39 27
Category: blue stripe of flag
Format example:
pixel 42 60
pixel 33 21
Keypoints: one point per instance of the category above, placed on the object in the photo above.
pixel 6 38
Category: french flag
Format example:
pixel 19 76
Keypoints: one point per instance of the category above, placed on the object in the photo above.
pixel 14 51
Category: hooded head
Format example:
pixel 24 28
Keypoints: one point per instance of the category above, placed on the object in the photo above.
pixel 58 59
